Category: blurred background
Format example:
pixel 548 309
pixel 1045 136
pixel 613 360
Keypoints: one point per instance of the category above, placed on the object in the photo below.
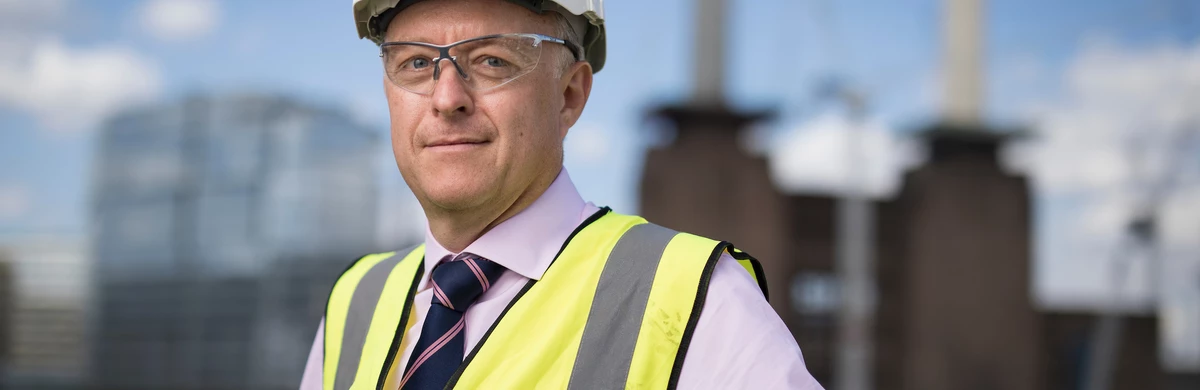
pixel 946 194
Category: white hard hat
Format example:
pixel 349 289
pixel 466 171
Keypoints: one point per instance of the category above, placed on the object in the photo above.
pixel 372 17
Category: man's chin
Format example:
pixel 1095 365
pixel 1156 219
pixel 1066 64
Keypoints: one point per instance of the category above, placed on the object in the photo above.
pixel 457 197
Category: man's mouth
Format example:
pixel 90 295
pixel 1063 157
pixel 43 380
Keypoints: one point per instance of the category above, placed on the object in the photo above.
pixel 457 143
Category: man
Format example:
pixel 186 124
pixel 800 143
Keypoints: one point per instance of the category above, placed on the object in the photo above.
pixel 520 283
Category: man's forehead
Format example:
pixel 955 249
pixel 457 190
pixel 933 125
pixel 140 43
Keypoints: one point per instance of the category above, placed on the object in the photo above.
pixel 437 20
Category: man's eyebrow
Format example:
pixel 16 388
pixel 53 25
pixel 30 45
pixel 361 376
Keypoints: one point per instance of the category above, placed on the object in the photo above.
pixel 410 39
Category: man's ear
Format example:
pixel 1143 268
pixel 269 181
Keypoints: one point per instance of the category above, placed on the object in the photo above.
pixel 576 85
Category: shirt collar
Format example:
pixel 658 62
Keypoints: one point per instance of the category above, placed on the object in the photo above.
pixel 527 242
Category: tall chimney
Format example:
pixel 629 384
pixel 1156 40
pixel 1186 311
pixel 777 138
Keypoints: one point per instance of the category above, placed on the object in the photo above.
pixel 962 101
pixel 710 53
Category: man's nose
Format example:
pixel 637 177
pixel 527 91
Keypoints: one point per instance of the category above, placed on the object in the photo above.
pixel 450 94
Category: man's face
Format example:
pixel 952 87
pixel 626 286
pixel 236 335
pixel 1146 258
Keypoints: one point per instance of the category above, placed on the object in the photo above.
pixel 460 149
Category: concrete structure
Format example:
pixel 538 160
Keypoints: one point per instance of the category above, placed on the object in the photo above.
pixel 220 223
pixel 46 283
pixel 684 186
pixel 963 60
pixel 960 260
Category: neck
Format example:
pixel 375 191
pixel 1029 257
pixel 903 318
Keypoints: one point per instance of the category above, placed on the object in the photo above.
pixel 456 229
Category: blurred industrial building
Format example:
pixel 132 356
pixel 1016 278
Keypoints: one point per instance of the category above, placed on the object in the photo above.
pixel 927 290
pixel 44 307
pixel 219 225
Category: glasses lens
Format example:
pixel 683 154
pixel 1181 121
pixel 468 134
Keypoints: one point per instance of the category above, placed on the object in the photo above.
pixel 410 66
pixel 487 63
pixel 493 62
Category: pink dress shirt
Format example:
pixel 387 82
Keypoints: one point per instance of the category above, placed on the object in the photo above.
pixel 739 341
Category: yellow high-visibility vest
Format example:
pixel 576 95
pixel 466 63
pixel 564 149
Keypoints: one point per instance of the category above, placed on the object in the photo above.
pixel 615 309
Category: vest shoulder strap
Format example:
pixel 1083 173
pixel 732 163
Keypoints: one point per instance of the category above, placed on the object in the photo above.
pixel 674 305
pixel 647 303
pixel 354 314
pixel 618 309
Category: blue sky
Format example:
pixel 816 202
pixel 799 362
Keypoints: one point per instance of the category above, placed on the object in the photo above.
pixel 779 52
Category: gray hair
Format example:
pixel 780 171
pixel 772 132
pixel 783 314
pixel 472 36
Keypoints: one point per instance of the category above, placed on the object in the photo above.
pixel 564 29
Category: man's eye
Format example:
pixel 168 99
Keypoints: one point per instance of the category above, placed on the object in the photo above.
pixel 418 63
pixel 495 62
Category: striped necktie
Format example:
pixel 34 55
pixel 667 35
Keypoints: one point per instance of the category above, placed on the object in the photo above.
pixel 439 351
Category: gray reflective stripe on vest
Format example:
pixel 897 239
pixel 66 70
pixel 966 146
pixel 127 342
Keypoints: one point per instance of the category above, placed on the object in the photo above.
pixel 611 332
pixel 359 315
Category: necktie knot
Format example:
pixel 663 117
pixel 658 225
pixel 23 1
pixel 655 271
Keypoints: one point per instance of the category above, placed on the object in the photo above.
pixel 459 282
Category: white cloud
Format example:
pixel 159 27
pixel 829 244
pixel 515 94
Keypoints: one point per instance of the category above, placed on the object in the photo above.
pixel 587 144
pixel 14 202
pixel 179 20
pixel 1117 121
pixel 814 157
pixel 71 89
pixel 68 89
